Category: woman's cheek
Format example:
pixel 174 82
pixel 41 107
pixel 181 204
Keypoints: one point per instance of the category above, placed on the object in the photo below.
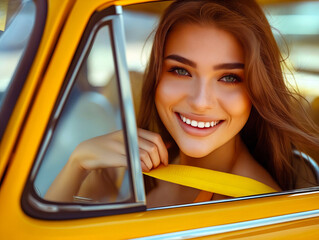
pixel 236 102
pixel 170 90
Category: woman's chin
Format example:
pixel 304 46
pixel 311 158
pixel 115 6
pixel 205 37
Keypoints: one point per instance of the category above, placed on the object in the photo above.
pixel 196 152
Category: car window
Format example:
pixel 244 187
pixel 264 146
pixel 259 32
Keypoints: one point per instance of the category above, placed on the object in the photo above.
pixel 17 21
pixel 91 104
pixel 92 109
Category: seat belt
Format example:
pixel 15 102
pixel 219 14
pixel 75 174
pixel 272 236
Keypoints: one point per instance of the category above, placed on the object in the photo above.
pixel 209 180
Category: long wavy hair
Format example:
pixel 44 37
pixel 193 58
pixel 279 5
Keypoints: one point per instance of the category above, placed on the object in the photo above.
pixel 278 123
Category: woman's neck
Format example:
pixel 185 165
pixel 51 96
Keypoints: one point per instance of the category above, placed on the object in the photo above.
pixel 222 159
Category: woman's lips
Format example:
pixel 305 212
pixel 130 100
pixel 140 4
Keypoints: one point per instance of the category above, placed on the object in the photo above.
pixel 199 127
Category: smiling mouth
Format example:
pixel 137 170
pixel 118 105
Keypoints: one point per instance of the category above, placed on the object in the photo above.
pixel 198 124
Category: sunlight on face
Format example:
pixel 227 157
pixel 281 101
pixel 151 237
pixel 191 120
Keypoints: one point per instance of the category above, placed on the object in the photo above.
pixel 201 98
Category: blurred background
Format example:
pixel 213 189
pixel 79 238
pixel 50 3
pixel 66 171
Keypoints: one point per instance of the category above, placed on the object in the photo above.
pixel 298 23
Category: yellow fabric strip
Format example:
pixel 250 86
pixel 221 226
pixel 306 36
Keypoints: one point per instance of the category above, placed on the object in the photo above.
pixel 3 14
pixel 210 181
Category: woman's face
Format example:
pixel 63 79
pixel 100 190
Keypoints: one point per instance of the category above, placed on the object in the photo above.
pixel 201 98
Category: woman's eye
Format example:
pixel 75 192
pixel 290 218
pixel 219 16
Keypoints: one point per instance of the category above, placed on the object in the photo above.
pixel 231 79
pixel 180 71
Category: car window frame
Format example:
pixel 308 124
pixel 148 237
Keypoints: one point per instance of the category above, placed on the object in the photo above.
pixel 35 206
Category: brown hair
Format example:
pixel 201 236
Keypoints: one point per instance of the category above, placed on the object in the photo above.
pixel 278 123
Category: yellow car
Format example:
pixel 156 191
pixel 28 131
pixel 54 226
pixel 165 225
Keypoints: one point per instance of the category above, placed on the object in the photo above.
pixel 66 72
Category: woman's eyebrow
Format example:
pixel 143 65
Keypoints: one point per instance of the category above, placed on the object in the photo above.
pixel 229 66
pixel 181 60
pixel 186 61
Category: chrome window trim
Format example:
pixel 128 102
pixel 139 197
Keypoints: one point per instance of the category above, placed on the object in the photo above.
pixel 226 228
pixel 129 113
pixel 290 193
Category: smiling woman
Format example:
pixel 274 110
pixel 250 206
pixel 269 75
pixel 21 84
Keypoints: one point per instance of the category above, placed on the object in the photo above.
pixel 202 88
pixel 194 37
pixel 214 97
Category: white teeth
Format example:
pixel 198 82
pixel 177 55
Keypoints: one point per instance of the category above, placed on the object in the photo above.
pixel 184 119
pixel 194 123
pixel 201 125
pixel 198 124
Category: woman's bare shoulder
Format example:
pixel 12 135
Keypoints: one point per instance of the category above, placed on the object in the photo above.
pixel 247 166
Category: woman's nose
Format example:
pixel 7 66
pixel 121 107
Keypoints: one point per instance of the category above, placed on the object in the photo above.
pixel 202 96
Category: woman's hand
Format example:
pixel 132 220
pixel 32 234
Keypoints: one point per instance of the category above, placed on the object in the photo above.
pixel 104 152
pixel 152 150
pixel 109 151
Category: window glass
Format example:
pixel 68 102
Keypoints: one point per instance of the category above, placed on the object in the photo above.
pixel 91 110
pixel 16 24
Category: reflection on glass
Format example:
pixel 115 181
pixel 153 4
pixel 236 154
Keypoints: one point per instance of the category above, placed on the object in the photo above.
pixel 91 110
pixel 19 20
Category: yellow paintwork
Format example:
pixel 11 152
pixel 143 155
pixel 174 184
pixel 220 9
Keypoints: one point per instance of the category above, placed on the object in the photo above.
pixel 22 138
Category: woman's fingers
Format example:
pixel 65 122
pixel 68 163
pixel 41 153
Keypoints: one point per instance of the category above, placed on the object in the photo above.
pixel 144 167
pixel 149 148
pixel 146 159
pixel 157 146
pixel 109 151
